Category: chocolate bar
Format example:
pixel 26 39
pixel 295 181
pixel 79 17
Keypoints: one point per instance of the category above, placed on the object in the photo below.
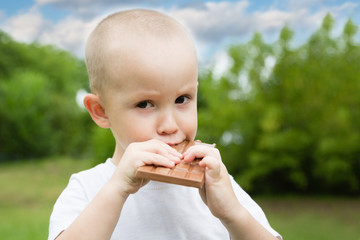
pixel 187 174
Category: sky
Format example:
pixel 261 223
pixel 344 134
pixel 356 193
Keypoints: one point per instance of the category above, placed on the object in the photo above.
pixel 214 24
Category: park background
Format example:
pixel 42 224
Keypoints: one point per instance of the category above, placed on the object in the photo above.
pixel 285 116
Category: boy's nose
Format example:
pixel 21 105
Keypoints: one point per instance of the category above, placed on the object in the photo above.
pixel 167 124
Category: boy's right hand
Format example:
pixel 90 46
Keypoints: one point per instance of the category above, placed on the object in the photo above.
pixel 107 204
pixel 138 154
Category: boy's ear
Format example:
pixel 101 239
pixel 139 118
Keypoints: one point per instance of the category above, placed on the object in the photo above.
pixel 96 110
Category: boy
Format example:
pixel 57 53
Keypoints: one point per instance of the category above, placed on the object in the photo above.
pixel 143 72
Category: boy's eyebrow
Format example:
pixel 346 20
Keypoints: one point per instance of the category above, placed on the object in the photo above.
pixel 145 92
pixel 191 87
pixel 184 88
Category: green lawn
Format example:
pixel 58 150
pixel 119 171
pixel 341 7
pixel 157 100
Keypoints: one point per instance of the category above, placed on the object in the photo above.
pixel 305 218
pixel 29 190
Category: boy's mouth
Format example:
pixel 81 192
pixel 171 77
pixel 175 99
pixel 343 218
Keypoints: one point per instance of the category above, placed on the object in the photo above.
pixel 178 143
pixel 180 147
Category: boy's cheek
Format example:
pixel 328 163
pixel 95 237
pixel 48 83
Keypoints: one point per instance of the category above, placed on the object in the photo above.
pixel 190 124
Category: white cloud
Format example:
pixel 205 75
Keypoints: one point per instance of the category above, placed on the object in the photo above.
pixel 26 27
pixel 232 20
pixel 270 62
pixel 80 95
pixel 217 24
pixel 89 9
pixel 213 24
pixel 214 20
pixel 222 63
pixel 70 34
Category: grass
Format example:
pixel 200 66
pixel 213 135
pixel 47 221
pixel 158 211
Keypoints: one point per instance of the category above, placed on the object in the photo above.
pixel 305 218
pixel 28 193
pixel 29 189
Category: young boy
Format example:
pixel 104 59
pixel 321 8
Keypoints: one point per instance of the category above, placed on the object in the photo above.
pixel 143 74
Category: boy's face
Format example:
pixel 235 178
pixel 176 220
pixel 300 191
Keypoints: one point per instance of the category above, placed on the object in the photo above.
pixel 153 93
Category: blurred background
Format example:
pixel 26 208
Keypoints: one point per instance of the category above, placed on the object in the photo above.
pixel 278 93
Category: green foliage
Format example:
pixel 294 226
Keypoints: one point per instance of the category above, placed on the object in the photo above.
pixel 285 119
pixel 296 129
pixel 39 115
pixel 102 144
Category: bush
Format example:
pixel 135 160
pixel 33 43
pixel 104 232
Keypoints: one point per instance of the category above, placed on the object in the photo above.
pixel 39 114
pixel 102 144
pixel 296 129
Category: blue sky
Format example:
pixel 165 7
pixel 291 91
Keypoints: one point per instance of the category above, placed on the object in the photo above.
pixel 214 24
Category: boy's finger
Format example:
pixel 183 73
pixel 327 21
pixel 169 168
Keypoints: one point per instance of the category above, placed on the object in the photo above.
pixel 157 159
pixel 201 151
pixel 162 149
pixel 166 150
pixel 212 164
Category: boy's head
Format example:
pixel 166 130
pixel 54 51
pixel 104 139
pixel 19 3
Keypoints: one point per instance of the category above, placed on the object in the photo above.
pixel 143 70
pixel 125 35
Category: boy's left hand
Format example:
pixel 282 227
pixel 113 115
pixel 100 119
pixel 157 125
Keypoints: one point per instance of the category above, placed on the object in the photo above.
pixel 217 193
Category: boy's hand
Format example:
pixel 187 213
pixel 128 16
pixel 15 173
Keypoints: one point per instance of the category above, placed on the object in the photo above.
pixel 139 154
pixel 217 193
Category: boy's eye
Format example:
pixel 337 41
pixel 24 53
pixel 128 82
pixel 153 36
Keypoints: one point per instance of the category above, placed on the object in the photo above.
pixel 144 104
pixel 181 100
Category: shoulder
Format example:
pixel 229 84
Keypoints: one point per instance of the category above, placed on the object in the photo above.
pixel 81 189
pixel 91 180
pixel 85 184
pixel 102 170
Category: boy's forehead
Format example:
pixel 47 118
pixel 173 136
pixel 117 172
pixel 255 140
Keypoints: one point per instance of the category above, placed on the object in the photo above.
pixel 135 50
pixel 136 72
pixel 149 57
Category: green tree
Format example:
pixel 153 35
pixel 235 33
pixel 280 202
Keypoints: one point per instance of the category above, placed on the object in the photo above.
pixel 296 129
pixel 39 114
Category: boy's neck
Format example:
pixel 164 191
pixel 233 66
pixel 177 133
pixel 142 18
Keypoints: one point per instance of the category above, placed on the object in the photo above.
pixel 118 153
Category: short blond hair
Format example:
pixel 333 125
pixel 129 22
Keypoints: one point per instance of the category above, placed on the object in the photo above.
pixel 117 27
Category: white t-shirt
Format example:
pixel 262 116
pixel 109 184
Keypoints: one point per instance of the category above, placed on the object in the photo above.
pixel 158 210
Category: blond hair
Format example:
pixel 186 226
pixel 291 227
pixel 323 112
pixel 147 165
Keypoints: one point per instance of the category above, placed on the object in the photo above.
pixel 118 27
